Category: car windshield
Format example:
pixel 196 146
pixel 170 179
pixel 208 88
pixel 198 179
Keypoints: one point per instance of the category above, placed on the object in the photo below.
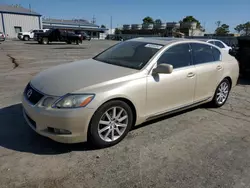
pixel 131 54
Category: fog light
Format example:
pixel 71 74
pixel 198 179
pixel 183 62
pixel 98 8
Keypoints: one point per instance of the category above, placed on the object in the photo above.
pixel 58 131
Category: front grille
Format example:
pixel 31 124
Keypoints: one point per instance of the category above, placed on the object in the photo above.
pixel 32 95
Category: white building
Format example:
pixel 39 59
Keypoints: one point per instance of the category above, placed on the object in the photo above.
pixel 15 19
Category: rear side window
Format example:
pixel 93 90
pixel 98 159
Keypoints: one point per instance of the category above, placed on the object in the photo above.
pixel 217 54
pixel 219 44
pixel 178 56
pixel 202 53
pixel 211 42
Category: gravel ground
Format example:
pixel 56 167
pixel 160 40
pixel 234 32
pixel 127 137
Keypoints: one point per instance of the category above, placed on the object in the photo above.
pixel 201 147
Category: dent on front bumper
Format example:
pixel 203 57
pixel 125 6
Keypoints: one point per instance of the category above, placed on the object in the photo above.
pixel 76 121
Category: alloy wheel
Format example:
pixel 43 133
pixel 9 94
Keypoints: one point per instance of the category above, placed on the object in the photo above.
pixel 113 124
pixel 222 93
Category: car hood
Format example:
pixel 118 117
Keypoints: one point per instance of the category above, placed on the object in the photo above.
pixel 70 77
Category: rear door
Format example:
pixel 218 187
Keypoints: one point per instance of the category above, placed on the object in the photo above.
pixel 208 64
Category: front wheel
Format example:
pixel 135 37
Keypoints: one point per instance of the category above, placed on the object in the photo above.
pixel 221 93
pixel 26 38
pixel 45 40
pixel 110 124
pixel 78 42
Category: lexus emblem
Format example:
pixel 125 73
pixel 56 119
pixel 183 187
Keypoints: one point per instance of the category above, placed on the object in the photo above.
pixel 29 93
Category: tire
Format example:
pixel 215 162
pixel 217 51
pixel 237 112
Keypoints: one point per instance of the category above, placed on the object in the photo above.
pixel 45 40
pixel 26 38
pixel 78 42
pixel 220 101
pixel 109 133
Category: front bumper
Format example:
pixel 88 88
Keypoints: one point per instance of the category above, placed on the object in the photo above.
pixel 74 120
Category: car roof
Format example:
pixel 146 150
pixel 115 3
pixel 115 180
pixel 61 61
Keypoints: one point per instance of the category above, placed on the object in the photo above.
pixel 206 40
pixel 165 40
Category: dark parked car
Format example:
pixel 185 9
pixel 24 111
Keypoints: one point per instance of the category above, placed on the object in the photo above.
pixel 2 36
pixel 84 35
pixel 58 36
pixel 242 54
pixel 114 37
pixel 39 31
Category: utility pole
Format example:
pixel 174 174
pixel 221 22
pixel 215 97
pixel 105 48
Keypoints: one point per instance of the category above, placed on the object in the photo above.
pixel 93 19
pixel 204 26
pixel 111 25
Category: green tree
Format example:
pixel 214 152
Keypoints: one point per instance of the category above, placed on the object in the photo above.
pixel 222 30
pixel 103 26
pixel 218 23
pixel 191 19
pixel 117 31
pixel 247 28
pixel 158 21
pixel 243 29
pixel 239 28
pixel 148 20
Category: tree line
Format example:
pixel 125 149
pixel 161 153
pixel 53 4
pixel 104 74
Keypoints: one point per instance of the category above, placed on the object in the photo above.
pixel 221 28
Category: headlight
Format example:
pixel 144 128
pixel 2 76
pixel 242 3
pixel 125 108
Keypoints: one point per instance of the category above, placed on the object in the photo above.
pixel 74 101
pixel 48 101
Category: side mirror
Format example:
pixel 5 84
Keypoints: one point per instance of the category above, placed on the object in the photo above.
pixel 163 69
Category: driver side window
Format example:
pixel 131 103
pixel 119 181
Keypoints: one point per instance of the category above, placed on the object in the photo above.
pixel 178 56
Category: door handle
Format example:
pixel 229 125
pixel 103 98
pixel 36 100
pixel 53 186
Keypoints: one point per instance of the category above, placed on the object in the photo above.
pixel 219 67
pixel 190 75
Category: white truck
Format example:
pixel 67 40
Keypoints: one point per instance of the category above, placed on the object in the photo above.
pixel 30 34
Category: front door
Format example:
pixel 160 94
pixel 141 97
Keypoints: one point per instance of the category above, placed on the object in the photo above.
pixel 166 92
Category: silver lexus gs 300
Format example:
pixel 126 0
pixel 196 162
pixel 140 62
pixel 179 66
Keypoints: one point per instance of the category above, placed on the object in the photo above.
pixel 100 99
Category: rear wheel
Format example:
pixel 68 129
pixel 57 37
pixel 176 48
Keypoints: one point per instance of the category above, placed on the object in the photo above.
pixel 110 123
pixel 221 93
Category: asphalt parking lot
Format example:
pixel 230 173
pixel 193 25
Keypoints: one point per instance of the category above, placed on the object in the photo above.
pixel 201 147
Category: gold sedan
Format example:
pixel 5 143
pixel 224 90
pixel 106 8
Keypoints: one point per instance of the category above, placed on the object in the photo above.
pixel 100 99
